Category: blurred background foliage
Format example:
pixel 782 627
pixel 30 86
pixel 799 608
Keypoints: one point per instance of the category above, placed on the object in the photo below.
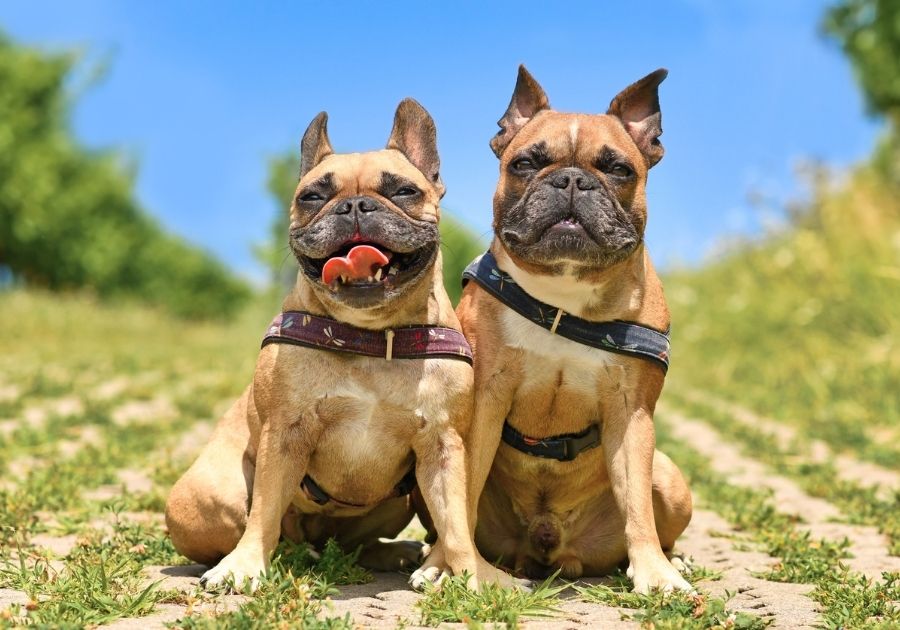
pixel 68 216
pixel 802 322
pixel 868 31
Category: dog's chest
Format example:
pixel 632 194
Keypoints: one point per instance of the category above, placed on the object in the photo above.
pixel 374 409
pixel 367 401
pixel 559 387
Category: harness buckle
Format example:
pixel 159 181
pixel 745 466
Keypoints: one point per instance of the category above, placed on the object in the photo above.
pixel 569 450
pixel 574 446
pixel 389 350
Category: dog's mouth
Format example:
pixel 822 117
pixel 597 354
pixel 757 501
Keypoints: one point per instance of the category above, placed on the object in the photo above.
pixel 570 225
pixel 360 265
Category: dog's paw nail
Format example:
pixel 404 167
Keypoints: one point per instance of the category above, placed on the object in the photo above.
pixel 203 581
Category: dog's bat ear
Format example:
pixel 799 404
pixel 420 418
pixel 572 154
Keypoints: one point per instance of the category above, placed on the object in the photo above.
pixel 637 106
pixel 315 145
pixel 415 136
pixel 527 100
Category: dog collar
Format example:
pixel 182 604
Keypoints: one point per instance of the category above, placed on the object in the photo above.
pixel 409 342
pixel 615 336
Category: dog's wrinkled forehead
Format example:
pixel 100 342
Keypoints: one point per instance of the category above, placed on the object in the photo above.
pixel 378 174
pixel 573 140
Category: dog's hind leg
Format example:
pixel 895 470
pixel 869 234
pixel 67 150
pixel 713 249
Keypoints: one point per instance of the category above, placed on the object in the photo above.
pixel 206 511
pixel 603 548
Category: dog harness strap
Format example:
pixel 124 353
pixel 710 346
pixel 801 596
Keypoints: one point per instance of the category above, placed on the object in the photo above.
pixel 563 448
pixel 410 342
pixel 615 336
pixel 314 492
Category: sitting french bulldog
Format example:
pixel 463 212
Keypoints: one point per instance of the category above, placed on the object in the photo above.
pixel 568 324
pixel 363 388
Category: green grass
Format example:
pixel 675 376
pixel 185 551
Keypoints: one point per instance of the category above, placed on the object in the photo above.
pixel 454 601
pixel 92 588
pixel 59 345
pixel 861 505
pixel 681 610
pixel 293 593
pixel 849 600
pixel 687 611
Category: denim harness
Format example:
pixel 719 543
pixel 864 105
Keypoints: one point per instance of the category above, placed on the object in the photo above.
pixel 614 336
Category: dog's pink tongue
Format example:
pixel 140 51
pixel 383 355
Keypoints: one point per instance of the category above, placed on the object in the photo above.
pixel 360 262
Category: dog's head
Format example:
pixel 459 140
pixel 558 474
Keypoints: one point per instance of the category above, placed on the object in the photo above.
pixel 572 186
pixel 385 199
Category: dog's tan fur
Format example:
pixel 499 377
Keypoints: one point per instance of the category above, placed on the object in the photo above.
pixel 356 424
pixel 624 500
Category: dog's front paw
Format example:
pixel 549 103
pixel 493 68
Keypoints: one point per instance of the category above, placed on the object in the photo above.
pixel 236 571
pixel 656 575
pixel 434 569
pixel 683 564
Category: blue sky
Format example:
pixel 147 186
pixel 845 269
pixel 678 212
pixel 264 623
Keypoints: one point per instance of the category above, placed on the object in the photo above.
pixel 201 94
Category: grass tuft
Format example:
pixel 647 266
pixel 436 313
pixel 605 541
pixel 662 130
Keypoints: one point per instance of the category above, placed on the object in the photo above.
pixel 453 601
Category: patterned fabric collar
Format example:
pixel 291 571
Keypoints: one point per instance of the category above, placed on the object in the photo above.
pixel 409 342
pixel 616 336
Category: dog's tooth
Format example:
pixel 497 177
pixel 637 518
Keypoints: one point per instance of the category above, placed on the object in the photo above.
pixel 371 279
pixel 343 279
pixel 392 271
pixel 378 275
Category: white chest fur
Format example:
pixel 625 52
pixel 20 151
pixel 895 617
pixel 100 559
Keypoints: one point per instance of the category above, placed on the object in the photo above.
pixel 550 356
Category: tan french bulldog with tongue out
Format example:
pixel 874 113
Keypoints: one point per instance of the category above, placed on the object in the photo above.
pixel 363 388
pixel 562 442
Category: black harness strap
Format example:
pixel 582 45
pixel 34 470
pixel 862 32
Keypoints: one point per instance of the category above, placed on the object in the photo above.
pixel 615 336
pixel 563 448
pixel 318 496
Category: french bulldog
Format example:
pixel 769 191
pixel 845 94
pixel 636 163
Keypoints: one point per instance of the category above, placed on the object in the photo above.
pixel 322 442
pixel 569 217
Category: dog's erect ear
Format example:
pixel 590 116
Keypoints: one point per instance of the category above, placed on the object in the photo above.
pixel 315 145
pixel 527 100
pixel 415 136
pixel 637 106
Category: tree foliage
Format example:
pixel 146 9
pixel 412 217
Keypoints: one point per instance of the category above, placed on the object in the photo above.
pixel 869 33
pixel 68 216
pixel 459 245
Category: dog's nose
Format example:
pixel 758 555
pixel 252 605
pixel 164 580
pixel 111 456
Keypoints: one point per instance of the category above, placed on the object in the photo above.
pixel 566 177
pixel 356 204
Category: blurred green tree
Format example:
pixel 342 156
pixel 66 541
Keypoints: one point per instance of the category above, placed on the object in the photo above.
pixel 275 253
pixel 68 216
pixel 459 244
pixel 868 31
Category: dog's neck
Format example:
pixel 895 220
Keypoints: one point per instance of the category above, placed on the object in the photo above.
pixel 424 304
pixel 628 290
